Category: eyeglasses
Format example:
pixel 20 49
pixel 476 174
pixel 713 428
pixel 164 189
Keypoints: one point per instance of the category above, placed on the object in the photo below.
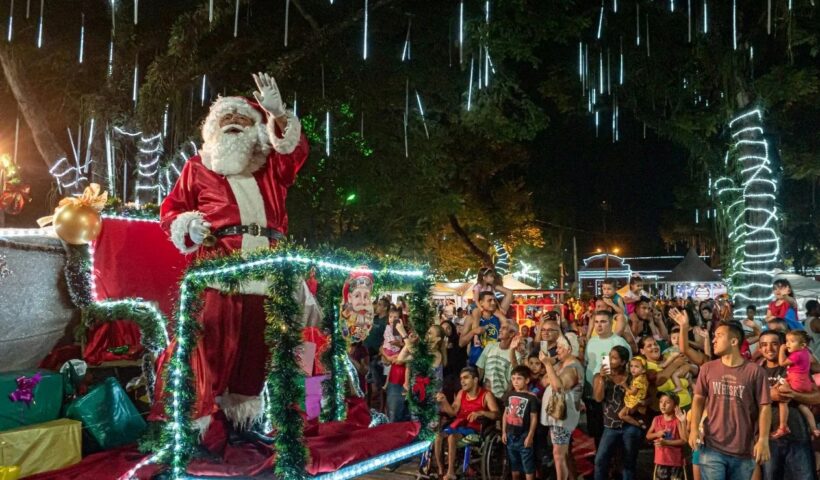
pixel 551 330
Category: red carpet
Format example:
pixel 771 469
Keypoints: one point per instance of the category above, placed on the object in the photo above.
pixel 332 446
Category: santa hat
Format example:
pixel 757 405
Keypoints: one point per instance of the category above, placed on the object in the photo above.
pixel 360 277
pixel 241 105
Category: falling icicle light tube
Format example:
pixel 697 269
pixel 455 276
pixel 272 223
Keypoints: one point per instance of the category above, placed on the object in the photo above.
pixel 40 26
pixel 600 21
pixel 287 20
pixel 111 57
pixel 421 112
pixel 705 17
pixel 11 21
pixel 236 20
pixel 82 37
pixel 327 133
pixel 203 88
pixel 734 24
pixel 461 32
pixel 470 88
pixel 364 35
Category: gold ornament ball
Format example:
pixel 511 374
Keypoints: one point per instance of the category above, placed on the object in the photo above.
pixel 77 224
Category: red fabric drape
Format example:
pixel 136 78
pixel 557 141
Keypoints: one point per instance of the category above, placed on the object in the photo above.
pixel 109 335
pixel 136 259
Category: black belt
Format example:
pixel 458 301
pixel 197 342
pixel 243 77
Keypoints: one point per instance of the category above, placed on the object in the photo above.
pixel 252 229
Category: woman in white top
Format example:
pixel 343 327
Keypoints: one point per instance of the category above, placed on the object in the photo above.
pixel 565 378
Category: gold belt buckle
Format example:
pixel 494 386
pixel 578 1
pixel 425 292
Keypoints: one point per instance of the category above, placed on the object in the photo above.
pixel 254 229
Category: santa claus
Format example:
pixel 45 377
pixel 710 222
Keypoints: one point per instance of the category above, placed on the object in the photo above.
pixel 231 197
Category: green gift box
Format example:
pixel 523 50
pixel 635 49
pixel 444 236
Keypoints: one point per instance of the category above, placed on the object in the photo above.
pixel 48 399
pixel 108 415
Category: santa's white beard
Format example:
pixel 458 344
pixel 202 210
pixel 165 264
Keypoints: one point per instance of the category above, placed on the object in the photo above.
pixel 233 153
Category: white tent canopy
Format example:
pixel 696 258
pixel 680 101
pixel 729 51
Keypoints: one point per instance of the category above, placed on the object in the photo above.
pixel 509 281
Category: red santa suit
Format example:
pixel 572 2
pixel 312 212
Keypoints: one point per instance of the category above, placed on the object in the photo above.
pixel 230 358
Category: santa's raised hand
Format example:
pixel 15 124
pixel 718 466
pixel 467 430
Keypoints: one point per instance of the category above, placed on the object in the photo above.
pixel 268 94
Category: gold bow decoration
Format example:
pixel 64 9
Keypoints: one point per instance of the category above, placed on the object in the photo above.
pixel 77 219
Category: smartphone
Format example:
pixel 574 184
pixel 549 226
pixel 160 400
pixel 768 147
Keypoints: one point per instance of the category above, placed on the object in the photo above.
pixel 605 364
pixel 545 347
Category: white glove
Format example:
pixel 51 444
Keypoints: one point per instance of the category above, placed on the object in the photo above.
pixel 198 229
pixel 268 95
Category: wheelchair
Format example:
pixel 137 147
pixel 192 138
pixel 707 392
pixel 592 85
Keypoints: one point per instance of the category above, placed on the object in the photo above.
pixel 483 455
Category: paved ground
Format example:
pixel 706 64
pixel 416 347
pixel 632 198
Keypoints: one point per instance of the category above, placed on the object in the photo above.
pixel 409 469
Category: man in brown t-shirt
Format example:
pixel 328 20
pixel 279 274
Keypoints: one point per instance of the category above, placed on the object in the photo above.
pixel 735 393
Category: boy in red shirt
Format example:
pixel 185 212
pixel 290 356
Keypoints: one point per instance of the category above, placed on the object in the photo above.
pixel 668 432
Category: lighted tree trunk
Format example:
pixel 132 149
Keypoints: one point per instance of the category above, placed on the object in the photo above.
pixel 755 234
pixel 34 114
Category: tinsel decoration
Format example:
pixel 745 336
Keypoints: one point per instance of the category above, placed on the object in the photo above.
pixel 422 407
pixel 5 271
pixel 285 381
pixel 333 387
pixel 78 275
pixel 151 322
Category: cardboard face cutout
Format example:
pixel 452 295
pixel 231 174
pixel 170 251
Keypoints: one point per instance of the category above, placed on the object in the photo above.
pixel 357 305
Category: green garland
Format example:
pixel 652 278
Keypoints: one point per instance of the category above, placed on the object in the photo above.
pixel 281 266
pixel 77 272
pixel 333 387
pixel 421 366
pixel 151 322
pixel 115 207
pixel 285 381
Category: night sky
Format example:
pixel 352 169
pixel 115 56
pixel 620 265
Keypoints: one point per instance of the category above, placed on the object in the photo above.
pixel 573 172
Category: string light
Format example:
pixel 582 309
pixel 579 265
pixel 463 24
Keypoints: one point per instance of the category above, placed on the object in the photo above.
pixel 750 209
pixel 377 462
pixel 600 21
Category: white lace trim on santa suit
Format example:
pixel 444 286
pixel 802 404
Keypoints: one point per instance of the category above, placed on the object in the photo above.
pixel 179 230
pixel 242 411
pixel 290 137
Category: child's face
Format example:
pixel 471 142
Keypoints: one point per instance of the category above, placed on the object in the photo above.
pixel 635 368
pixel 535 365
pixel 636 287
pixel 519 383
pixel 393 317
pixel 673 338
pixel 794 343
pixel 608 290
pixel 666 405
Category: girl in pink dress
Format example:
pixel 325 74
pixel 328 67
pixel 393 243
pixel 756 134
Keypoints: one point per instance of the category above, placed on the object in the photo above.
pixel 796 357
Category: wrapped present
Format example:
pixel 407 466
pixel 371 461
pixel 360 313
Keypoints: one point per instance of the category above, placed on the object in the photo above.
pixel 10 473
pixel 108 415
pixel 307 357
pixel 29 397
pixel 42 447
